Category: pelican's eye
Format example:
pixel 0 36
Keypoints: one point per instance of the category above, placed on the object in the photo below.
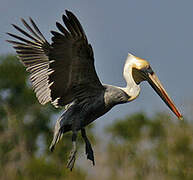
pixel 147 70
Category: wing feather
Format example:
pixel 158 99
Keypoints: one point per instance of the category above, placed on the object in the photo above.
pixel 62 71
pixel 33 54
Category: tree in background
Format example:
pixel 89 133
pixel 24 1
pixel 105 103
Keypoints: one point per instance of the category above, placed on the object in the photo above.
pixel 150 148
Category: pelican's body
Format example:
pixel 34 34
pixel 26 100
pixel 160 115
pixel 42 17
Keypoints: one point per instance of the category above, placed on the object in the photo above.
pixel 63 73
pixel 90 109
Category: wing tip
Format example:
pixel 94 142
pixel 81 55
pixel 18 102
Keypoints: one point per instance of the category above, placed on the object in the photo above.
pixel 68 12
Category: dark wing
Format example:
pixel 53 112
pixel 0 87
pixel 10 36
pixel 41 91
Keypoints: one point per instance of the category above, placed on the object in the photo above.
pixel 63 71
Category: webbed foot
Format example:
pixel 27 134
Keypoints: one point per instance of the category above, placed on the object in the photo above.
pixel 89 151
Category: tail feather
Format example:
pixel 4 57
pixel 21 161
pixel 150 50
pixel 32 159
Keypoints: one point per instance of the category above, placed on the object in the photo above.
pixel 55 140
pixel 62 126
pixel 58 134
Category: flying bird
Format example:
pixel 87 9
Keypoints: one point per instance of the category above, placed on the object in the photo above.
pixel 62 72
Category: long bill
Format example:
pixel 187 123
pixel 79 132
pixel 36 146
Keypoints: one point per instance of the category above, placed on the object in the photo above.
pixel 158 87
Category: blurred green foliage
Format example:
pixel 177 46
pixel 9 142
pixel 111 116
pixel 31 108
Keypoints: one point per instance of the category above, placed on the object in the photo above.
pixel 26 130
pixel 139 147
pixel 150 148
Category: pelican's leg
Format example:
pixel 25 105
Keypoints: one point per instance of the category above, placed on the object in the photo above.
pixel 75 127
pixel 89 151
pixel 72 157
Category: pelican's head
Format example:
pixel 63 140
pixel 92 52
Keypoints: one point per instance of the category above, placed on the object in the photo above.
pixel 141 70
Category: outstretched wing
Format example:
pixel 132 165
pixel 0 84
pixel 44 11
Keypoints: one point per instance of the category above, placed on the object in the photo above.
pixel 62 71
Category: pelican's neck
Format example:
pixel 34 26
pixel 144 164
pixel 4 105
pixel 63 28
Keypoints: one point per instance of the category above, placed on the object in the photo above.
pixel 132 89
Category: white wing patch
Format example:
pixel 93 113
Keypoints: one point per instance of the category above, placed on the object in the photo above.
pixel 40 82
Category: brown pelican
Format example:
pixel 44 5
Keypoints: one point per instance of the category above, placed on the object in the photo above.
pixel 63 73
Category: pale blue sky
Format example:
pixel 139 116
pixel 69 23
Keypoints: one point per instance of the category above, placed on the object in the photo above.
pixel 159 31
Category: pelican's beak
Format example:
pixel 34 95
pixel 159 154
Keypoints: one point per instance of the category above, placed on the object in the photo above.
pixel 157 86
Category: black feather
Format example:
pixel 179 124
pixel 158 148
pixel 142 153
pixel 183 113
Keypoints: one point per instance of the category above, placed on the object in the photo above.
pixel 24 40
pixel 25 33
pixel 68 25
pixel 37 30
pixel 62 29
